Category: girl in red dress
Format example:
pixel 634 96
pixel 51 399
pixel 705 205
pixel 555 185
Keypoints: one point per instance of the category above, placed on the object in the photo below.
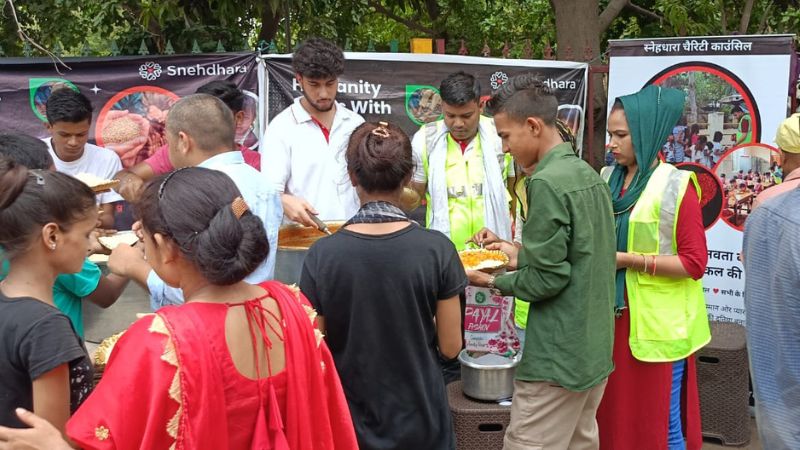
pixel 238 366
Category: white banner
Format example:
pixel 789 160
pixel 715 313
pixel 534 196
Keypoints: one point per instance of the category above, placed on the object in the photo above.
pixel 736 96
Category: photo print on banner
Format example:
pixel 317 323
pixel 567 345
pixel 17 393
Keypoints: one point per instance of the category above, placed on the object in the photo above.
pixel 131 95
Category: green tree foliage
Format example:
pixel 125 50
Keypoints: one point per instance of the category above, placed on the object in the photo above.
pixel 243 23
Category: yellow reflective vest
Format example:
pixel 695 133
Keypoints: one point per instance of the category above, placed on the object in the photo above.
pixel 668 315
pixel 465 185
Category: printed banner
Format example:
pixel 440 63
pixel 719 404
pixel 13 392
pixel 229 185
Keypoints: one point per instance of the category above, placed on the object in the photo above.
pixel 130 95
pixel 489 322
pixel 736 96
pixel 404 88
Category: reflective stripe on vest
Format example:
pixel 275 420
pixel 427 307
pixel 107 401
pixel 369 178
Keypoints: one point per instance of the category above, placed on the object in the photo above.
pixel 668 315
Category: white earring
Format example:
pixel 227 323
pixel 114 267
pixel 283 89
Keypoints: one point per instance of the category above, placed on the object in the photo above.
pixel 52 246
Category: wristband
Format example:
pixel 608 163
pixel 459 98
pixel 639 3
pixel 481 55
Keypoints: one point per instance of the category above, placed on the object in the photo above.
pixel 490 283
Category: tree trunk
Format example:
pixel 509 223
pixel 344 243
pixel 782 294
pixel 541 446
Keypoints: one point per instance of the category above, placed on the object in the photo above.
pixel 723 16
pixel 270 21
pixel 576 30
pixel 747 11
pixel 576 27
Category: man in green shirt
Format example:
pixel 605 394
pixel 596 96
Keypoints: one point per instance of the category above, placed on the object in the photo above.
pixel 566 266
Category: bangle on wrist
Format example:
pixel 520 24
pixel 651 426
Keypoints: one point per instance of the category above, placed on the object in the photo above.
pixel 654 266
pixel 490 282
pixel 644 260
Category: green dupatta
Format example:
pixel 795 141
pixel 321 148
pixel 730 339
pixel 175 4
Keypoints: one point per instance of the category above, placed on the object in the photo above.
pixel 651 113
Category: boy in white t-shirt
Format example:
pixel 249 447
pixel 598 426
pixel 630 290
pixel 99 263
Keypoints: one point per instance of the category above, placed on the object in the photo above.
pixel 69 117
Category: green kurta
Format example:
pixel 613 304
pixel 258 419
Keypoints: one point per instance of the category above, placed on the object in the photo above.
pixel 566 265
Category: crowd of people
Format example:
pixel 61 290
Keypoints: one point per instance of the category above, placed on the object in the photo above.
pixel 686 144
pixel 606 278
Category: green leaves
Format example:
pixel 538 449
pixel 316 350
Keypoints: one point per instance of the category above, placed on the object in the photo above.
pixel 238 24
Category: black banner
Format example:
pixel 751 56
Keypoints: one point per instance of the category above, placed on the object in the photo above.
pixel 128 94
pixel 403 88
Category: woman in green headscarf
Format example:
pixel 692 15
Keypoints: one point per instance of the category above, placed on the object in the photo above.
pixel 661 316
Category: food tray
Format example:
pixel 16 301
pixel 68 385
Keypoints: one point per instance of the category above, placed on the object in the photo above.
pixel 105 187
pixel 97 184
pixel 483 260
pixel 115 240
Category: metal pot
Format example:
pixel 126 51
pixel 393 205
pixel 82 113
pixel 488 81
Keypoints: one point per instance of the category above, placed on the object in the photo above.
pixel 487 382
pixel 293 243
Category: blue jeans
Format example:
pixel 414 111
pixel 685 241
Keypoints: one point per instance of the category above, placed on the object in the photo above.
pixel 675 439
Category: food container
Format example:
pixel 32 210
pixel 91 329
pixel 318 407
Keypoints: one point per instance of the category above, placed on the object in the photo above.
pixel 293 243
pixel 489 382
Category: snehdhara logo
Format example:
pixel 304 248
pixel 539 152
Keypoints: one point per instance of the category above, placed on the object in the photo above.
pixel 150 70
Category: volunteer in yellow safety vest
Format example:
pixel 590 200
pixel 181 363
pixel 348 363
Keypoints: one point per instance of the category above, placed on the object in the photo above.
pixel 661 310
pixel 460 166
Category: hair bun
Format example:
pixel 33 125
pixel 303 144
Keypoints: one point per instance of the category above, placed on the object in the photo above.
pixel 13 179
pixel 230 248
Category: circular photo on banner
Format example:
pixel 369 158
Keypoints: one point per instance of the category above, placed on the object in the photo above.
pixel 132 123
pixel 720 113
pixel 40 90
pixel 423 104
pixel 711 196
pixel 745 172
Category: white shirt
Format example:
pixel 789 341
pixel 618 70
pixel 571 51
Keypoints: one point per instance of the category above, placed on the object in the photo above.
pixel 697 153
pixel 262 200
pixel 98 161
pixel 297 160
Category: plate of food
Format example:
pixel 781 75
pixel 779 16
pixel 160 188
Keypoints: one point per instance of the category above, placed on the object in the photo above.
pixel 97 184
pixel 117 239
pixel 483 260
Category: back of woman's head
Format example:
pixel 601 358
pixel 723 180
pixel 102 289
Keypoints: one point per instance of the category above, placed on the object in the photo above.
pixel 202 212
pixel 31 199
pixel 379 157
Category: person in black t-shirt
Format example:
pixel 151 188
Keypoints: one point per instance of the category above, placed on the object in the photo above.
pixel 387 290
pixel 45 222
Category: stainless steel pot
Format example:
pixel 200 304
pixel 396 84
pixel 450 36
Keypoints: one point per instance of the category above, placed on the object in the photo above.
pixel 487 382
pixel 293 243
